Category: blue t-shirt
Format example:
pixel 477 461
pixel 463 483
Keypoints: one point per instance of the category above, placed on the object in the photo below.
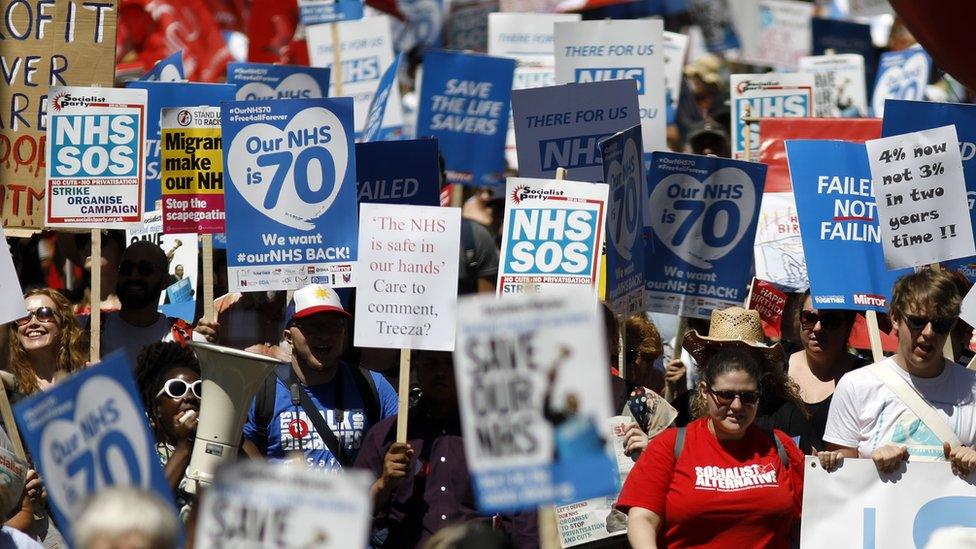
pixel 291 430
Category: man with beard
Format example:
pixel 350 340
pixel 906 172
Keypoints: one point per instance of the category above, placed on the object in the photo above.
pixel 317 404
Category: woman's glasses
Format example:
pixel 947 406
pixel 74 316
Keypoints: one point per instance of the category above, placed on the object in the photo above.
pixel 42 314
pixel 177 388
pixel 725 398
pixel 828 319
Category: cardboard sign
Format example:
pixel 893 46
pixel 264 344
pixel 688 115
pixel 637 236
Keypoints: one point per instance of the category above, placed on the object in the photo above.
pixel 597 51
pixel 95 151
pixel 560 126
pixel 316 12
pixel 464 103
pixel 467 25
pixel 702 213
pixel 87 433
pixel 169 69
pixel 767 95
pixel 623 164
pixel 901 75
pixel 192 170
pixel 408 276
pixel 534 392
pixel 778 251
pixel 784 33
pixel 182 256
pixel 377 105
pixel 840 87
pixel 854 506
pixel 264 81
pixel 922 206
pixel 367 50
pixel 256 503
pixel 172 94
pixel 11 297
pixel 839 225
pixel 398 172
pixel 715 19
pixel 552 236
pixel 675 51
pixel 66 46
pixel 290 193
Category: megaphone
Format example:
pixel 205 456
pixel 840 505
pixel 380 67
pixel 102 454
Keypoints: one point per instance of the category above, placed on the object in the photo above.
pixel 231 378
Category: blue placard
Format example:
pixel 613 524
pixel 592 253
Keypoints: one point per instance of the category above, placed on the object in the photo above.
pixel 377 105
pixel 399 172
pixel 256 81
pixel 901 75
pixel 839 226
pixel 846 37
pixel 172 94
pixel 180 291
pixel 701 212
pixel 290 191
pixel 421 27
pixel 464 103
pixel 169 69
pixel 315 12
pixel 89 432
pixel 912 116
pixel 623 168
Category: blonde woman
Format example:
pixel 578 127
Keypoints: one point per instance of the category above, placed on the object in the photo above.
pixel 45 344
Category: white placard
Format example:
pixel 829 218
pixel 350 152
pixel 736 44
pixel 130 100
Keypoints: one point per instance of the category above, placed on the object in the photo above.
pixel 408 265
pixel 367 50
pixel 919 188
pixel 967 311
pixel 854 506
pixel 784 33
pixel 867 8
pixel 779 251
pixel 595 51
pixel 840 85
pixel 768 95
pixel 675 51
pixel 11 298
pixel 260 504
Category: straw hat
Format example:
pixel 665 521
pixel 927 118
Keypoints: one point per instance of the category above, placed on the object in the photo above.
pixel 733 327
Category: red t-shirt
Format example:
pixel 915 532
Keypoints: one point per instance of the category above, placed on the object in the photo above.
pixel 733 494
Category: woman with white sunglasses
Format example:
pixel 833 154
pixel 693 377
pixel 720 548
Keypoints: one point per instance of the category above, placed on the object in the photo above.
pixel 168 376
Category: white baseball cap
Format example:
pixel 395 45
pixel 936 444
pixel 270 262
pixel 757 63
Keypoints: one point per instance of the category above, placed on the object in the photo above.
pixel 314 299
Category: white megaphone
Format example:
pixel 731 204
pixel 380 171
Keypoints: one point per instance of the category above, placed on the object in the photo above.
pixel 230 377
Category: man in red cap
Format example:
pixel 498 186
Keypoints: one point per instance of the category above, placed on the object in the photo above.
pixel 317 405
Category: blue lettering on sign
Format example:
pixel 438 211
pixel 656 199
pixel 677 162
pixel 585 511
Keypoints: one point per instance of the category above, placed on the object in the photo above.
pixel 95 146
pixel 776 106
pixel 360 70
pixel 943 512
pixel 584 76
pixel 551 241
pixel 571 152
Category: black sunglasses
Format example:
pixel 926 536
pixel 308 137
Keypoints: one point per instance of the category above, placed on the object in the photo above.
pixel 144 267
pixel 725 398
pixel 828 319
pixel 939 325
pixel 42 314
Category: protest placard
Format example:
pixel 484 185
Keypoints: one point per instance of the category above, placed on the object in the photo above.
pixel 702 213
pixel 778 251
pixel 597 51
pixel 839 225
pixel 377 105
pixel 266 81
pixel 715 20
pixel 559 126
pixel 552 235
pixel 408 276
pixel 464 103
pixel 366 49
pixel 784 34
pixel 316 12
pixel 192 170
pixel 172 94
pixel 854 506
pixel 95 152
pixel 923 210
pixel 534 395
pixel 422 25
pixel 256 503
pixel 901 75
pixel 290 194
pixel 87 433
pixel 675 51
pixel 623 166
pixel 867 8
pixel 11 297
pixel 57 44
pixel 467 24
pixel 182 255
pixel 839 85
pixel 767 95
pixel 398 172
pixel 168 69
pixel 840 36
pixel 768 301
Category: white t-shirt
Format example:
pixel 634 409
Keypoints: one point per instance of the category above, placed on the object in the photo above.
pixel 866 415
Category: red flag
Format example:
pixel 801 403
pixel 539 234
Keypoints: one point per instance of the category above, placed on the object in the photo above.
pixel 271 31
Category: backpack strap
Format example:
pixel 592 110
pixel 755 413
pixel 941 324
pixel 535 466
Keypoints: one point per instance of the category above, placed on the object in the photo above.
pixel 264 405
pixel 784 457
pixel 367 390
pixel 679 443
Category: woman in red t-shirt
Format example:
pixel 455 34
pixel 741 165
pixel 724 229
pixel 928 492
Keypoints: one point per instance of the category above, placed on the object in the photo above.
pixel 726 486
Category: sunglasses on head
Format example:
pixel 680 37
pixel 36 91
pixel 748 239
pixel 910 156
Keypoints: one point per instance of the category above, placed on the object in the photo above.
pixel 177 388
pixel 827 319
pixel 725 398
pixel 939 325
pixel 42 314
pixel 145 268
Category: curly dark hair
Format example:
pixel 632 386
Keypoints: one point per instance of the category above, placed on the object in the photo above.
pixel 775 385
pixel 154 362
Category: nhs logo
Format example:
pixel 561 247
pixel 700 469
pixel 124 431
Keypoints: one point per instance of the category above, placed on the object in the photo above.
pixel 571 152
pixel 363 69
pixel 584 76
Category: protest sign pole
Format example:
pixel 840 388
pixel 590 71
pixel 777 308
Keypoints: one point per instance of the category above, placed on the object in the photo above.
pixel 749 120
pixel 208 297
pixel 874 335
pixel 679 339
pixel 621 346
pixel 336 59
pixel 404 395
pixel 95 295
